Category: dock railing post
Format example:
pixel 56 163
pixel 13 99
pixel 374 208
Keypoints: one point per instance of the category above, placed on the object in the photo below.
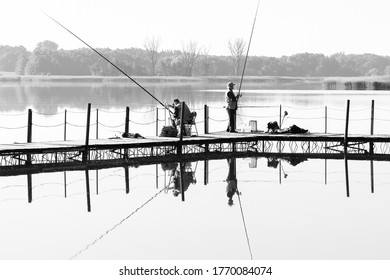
pixel 87 190
pixel 206 172
pixel 85 154
pixel 280 115
pixel 127 180
pixel 206 119
pixel 326 119
pixel 65 125
pixel 372 126
pixel 346 127
pixel 182 179
pixel 156 121
pixel 29 187
pixel 179 148
pixel 127 119
pixel 97 123
pixel 29 126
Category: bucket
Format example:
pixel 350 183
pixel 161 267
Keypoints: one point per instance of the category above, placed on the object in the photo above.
pixel 253 125
pixel 187 130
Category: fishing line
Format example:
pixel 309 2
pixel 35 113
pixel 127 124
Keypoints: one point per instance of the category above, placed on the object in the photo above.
pixel 105 58
pixel 247 52
pixel 117 225
pixel 243 220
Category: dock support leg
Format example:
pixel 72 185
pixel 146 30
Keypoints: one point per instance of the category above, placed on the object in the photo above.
pixel 346 128
pixel 127 180
pixel 87 190
pixel 86 152
pixel 29 187
pixel 346 174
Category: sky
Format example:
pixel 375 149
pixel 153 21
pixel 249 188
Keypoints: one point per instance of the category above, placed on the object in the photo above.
pixel 283 27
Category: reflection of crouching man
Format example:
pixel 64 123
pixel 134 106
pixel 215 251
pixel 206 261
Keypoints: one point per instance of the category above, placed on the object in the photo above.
pixel 231 180
pixel 177 113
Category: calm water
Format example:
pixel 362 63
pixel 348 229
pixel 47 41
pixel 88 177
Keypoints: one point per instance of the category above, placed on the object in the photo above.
pixel 284 210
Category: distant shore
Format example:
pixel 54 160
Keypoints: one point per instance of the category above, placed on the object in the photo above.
pixel 152 79
pixel 329 83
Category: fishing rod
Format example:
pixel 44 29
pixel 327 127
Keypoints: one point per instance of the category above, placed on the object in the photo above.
pixel 238 96
pixel 247 53
pixel 106 59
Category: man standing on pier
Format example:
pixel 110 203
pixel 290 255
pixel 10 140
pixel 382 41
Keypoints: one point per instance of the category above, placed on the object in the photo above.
pixel 231 107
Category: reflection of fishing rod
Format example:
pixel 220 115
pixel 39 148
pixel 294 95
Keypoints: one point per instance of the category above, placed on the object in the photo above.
pixel 117 225
pixel 243 220
pixel 106 59
pixel 246 57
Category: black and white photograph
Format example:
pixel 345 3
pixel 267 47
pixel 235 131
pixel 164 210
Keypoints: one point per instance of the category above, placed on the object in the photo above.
pixel 221 131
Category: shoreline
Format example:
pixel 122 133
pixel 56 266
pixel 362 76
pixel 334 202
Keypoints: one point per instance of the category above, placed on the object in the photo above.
pixel 16 79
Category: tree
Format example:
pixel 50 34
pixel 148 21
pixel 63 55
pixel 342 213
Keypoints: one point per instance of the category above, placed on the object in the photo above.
pixel 9 57
pixel 151 47
pixel 206 63
pixel 21 64
pixel 47 45
pixel 237 50
pixel 372 72
pixel 190 54
pixel 387 70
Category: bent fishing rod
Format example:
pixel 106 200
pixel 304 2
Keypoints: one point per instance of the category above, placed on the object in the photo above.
pixel 247 54
pixel 106 59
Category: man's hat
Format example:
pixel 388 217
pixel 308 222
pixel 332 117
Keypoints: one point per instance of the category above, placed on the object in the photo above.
pixel 230 84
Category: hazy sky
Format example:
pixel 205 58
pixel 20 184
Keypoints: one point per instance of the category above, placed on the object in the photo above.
pixel 283 27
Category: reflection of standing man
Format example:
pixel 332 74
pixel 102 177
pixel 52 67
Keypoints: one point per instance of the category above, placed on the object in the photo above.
pixel 231 180
pixel 231 107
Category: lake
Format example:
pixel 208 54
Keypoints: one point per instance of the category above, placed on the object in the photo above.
pixel 280 208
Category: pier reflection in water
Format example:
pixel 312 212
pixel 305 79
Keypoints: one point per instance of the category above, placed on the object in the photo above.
pixel 234 208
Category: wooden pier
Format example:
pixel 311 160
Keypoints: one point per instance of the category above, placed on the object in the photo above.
pixel 22 158
pixel 49 156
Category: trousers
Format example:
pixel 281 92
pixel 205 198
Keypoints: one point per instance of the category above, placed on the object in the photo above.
pixel 232 119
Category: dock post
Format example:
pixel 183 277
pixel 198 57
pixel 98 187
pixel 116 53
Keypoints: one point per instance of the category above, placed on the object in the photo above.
pixel 97 181
pixel 326 119
pixel 156 121
pixel 85 154
pixel 206 172
pixel 29 126
pixel 156 176
pixel 29 187
pixel 372 175
pixel 326 172
pixel 180 145
pixel 346 127
pixel 182 180
pixel 346 174
pixel 97 123
pixel 127 180
pixel 206 119
pixel 87 190
pixel 65 185
pixel 372 126
pixel 127 119
pixel 65 125
pixel 280 115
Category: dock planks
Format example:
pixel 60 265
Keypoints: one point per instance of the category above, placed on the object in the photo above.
pixel 217 137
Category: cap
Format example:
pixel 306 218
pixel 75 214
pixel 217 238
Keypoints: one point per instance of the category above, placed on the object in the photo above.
pixel 230 84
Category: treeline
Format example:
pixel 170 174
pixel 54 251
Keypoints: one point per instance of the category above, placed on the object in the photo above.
pixel 48 59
